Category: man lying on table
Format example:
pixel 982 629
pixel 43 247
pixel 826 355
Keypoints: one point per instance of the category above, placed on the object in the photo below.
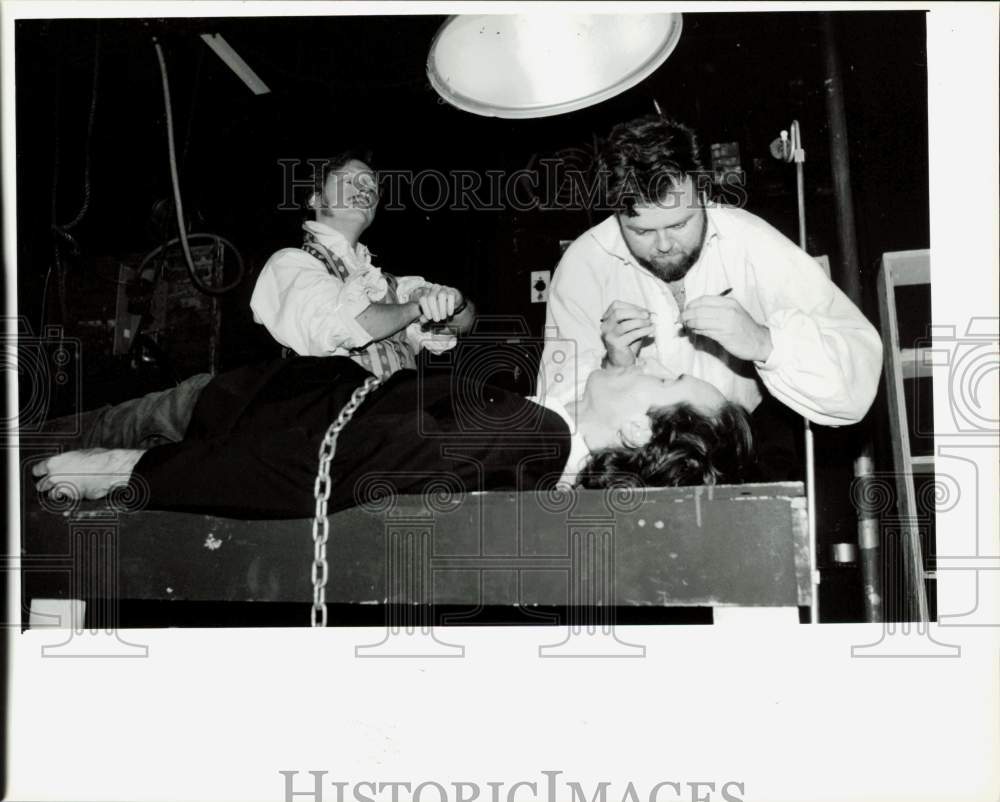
pixel 248 447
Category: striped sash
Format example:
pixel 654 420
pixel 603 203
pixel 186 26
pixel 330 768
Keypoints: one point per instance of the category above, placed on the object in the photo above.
pixel 386 356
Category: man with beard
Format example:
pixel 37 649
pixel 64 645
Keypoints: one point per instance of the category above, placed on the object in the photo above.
pixel 700 289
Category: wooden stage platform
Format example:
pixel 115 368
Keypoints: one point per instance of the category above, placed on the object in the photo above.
pixel 724 546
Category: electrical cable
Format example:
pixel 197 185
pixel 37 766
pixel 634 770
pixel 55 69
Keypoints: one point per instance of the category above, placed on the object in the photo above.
pixel 90 132
pixel 62 231
pixel 45 296
pixel 57 264
pixel 178 206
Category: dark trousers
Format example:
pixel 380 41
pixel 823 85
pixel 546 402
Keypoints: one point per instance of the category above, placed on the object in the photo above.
pixel 152 420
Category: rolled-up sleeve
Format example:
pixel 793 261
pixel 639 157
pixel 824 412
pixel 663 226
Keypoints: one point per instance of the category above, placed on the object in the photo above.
pixel 433 341
pixel 307 309
pixel 827 358
pixel 406 285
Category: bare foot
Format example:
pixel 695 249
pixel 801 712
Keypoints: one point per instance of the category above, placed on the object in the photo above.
pixel 88 473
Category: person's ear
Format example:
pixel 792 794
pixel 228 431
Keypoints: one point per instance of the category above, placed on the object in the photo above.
pixel 314 201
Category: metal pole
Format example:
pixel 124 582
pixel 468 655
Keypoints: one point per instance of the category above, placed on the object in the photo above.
pixel 849 279
pixel 813 546
pixel 840 164
pixel 801 184
pixel 799 155
pixel 868 535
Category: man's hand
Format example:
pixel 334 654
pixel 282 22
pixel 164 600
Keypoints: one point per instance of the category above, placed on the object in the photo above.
pixel 623 328
pixel 724 320
pixel 437 303
pixel 88 473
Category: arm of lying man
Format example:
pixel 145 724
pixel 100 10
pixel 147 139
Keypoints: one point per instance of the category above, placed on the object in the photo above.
pixel 89 473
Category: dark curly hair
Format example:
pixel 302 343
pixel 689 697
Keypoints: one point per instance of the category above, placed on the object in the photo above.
pixel 687 447
pixel 338 161
pixel 643 159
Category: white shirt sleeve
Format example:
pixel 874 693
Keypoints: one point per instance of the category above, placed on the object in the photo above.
pixel 573 346
pixel 407 284
pixel 827 358
pixel 307 309
pixel 435 342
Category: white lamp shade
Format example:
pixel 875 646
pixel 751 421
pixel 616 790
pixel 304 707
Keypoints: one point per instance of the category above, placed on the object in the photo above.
pixel 537 65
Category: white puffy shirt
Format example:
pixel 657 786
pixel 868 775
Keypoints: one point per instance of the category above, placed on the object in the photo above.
pixel 312 312
pixel 826 358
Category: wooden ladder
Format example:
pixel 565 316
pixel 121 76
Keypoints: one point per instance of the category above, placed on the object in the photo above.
pixel 899 269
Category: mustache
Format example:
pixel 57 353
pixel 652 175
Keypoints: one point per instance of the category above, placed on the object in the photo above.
pixel 674 272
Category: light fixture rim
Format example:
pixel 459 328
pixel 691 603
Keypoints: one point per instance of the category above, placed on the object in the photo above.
pixel 636 76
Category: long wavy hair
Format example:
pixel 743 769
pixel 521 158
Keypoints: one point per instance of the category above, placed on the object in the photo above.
pixel 687 447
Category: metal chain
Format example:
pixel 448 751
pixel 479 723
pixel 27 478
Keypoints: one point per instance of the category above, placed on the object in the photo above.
pixel 321 491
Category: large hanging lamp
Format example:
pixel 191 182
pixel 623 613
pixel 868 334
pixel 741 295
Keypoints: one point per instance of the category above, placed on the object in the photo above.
pixel 520 66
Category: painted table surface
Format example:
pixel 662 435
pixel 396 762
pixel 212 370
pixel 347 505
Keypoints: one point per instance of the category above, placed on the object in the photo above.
pixel 742 545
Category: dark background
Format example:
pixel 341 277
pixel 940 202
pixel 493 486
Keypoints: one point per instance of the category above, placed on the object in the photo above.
pixel 340 81
pixel 348 80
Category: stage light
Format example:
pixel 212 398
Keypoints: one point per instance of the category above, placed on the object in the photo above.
pixel 541 64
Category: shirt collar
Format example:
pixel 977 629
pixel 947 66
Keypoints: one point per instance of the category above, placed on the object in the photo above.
pixel 337 243
pixel 608 236
pixel 578 451
pixel 712 222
